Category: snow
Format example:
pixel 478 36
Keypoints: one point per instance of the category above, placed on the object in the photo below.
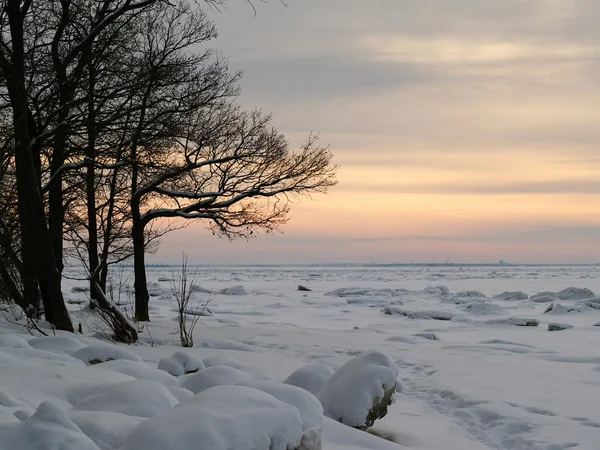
pixel 311 377
pixel 475 382
pixel 222 418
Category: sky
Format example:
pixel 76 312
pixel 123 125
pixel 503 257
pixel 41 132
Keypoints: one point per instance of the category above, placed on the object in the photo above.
pixel 465 130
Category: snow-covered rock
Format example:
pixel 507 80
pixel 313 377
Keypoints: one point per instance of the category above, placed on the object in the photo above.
pixel 484 309
pixel 213 376
pixel 361 390
pixel 50 428
pixel 222 418
pixel 311 377
pixel 137 398
pixel 97 353
pixel 180 363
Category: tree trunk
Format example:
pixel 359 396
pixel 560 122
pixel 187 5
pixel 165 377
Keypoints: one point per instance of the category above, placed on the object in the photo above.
pixel 124 330
pixel 108 230
pixel 142 297
pixel 35 238
pixel 90 180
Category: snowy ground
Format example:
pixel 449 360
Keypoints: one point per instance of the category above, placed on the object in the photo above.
pixel 472 377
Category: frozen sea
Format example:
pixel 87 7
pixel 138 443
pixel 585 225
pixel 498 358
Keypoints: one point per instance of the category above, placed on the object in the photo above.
pixel 478 365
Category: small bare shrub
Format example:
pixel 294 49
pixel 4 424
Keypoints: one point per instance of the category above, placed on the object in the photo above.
pixel 188 315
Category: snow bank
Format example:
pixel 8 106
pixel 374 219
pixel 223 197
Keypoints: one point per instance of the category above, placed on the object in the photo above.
pixel 361 390
pixel 137 398
pixel 180 363
pixel 48 429
pixel 311 377
pixel 213 376
pixel 484 309
pixel 224 344
pixel 97 353
pixel 222 418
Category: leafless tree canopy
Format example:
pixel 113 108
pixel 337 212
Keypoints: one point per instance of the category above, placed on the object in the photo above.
pixel 119 122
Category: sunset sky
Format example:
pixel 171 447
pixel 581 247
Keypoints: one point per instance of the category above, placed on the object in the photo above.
pixel 465 130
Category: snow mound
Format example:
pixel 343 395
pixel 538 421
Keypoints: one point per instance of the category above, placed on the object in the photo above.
pixel 573 293
pixel 137 398
pixel 224 344
pixel 235 290
pixel 48 429
pixel 511 296
pixel 593 303
pixel 222 418
pixel 311 378
pixel 59 343
pixel 181 363
pixel 97 353
pixel 222 360
pixel 139 370
pixel 558 326
pixel 12 341
pixel 436 290
pixel 213 376
pixel 361 390
pixel 517 321
pixel 309 406
pixel 419 314
pixel 108 430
